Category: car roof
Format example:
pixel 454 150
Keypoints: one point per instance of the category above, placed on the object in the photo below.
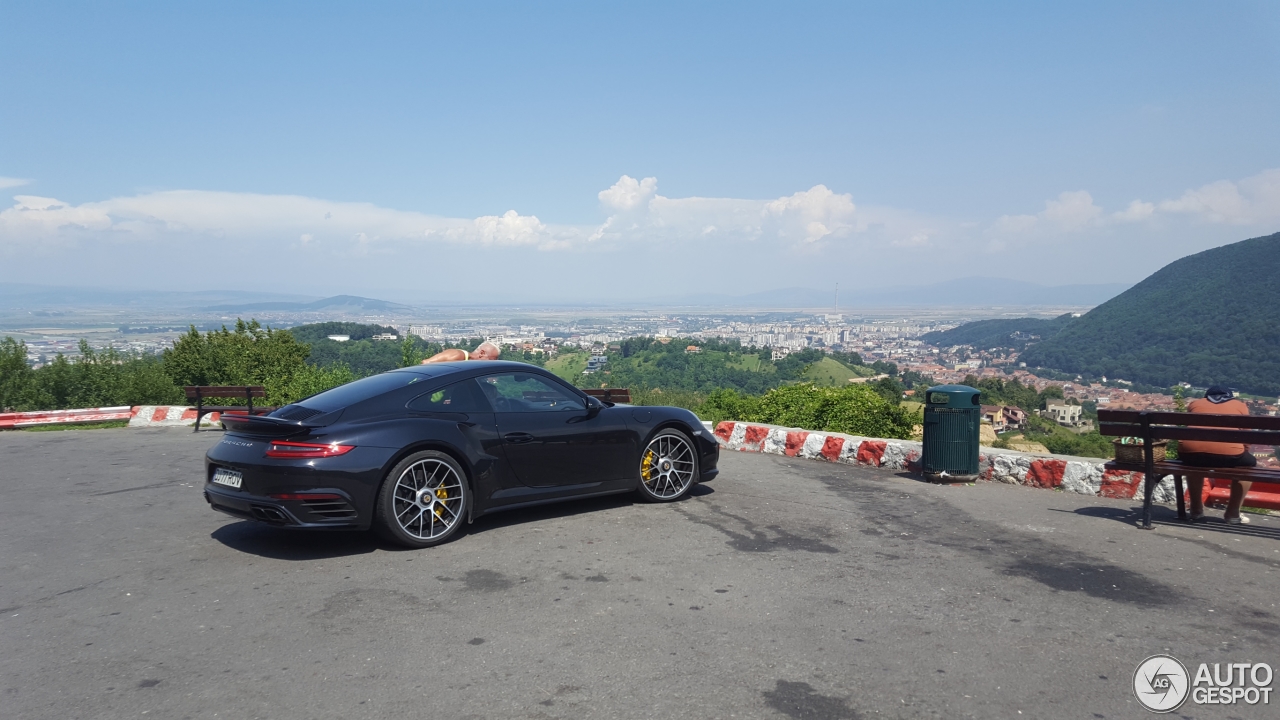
pixel 479 366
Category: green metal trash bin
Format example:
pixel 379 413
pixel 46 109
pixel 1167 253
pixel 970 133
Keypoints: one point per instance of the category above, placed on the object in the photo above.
pixel 952 415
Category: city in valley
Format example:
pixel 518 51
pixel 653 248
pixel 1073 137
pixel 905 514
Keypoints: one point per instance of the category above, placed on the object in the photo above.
pixel 892 335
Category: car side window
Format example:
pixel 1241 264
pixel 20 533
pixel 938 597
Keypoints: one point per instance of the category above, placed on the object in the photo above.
pixel 526 392
pixel 460 397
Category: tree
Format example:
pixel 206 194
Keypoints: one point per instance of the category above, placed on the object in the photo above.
pixel 409 352
pixel 249 355
pixel 883 367
pixel 15 374
pixel 888 388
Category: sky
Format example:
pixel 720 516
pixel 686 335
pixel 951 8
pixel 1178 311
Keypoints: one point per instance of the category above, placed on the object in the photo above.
pixel 602 152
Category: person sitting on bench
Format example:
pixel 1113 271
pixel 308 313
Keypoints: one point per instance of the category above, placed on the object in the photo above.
pixel 484 351
pixel 1218 400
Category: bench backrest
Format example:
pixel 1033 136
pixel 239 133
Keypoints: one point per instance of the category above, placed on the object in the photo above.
pixel 613 395
pixel 1247 429
pixel 195 392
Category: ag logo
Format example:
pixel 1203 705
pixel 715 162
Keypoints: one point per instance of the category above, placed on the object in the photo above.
pixel 1161 683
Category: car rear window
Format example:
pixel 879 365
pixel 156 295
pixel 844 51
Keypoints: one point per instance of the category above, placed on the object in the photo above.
pixel 362 389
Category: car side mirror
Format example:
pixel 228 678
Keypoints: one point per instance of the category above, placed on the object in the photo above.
pixel 594 406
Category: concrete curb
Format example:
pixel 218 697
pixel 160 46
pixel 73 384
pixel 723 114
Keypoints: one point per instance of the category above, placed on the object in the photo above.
pixel 169 416
pixel 1085 476
pixel 63 417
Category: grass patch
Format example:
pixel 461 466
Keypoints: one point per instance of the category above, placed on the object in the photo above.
pixel 829 372
pixel 568 366
pixel 78 426
pixel 750 363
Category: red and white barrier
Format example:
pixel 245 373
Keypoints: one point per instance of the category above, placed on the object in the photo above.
pixel 1070 474
pixel 63 417
pixel 169 416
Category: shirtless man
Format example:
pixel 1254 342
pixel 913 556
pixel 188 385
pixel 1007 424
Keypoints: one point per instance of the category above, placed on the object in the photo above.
pixel 484 351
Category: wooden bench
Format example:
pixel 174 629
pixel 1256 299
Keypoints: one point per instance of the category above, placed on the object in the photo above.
pixel 1151 426
pixel 200 393
pixel 610 395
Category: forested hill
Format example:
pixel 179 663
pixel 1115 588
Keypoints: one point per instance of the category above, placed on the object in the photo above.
pixel 356 331
pixel 1212 317
pixel 1014 333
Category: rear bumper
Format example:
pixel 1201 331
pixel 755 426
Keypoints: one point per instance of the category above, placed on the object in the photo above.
pixel 325 514
pixel 351 482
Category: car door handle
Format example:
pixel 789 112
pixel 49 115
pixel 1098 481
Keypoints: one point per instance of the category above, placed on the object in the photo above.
pixel 516 438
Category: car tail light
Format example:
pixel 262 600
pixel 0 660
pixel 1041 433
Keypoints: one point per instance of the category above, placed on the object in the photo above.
pixel 305 496
pixel 286 449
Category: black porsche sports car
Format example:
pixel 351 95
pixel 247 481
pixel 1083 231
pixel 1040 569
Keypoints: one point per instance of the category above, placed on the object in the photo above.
pixel 416 452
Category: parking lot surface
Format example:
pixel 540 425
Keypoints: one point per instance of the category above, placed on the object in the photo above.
pixel 786 588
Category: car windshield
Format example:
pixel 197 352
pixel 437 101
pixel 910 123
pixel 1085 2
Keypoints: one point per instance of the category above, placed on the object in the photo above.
pixel 362 389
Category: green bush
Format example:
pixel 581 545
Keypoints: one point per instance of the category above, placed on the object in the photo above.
pixel 672 398
pixel 247 355
pixel 1083 445
pixel 97 379
pixel 726 404
pixel 855 410
pixel 309 380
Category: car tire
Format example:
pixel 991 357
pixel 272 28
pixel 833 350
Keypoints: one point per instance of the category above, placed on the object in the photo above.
pixel 668 467
pixel 424 501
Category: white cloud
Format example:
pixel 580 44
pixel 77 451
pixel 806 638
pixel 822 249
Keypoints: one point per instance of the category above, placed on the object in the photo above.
pixel 809 219
pixel 1250 201
pixel 1136 211
pixel 8 182
pixel 1254 200
pixel 1071 211
pixel 38 217
pixel 188 215
pixel 510 228
pixel 805 237
pixel 628 193
pixel 811 215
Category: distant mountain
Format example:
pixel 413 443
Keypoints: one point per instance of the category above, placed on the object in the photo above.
pixel 1212 317
pixel 1015 333
pixel 335 304
pixel 24 295
pixel 971 291
pixel 989 291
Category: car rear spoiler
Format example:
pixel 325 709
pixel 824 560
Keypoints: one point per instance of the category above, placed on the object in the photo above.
pixel 265 426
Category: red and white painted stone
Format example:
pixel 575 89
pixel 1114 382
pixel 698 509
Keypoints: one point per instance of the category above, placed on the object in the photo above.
pixel 1077 475
pixel 169 416
pixel 63 417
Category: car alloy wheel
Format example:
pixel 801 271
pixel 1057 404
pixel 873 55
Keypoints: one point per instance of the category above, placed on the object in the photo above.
pixel 668 467
pixel 424 500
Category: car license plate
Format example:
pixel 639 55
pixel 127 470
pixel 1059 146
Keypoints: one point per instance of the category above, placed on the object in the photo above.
pixel 230 478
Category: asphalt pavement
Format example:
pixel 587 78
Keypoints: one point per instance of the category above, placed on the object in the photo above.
pixel 786 588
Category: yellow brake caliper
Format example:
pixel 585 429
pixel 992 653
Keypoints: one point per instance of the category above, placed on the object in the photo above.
pixel 441 494
pixel 646 466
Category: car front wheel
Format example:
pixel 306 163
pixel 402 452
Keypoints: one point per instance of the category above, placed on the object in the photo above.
pixel 423 501
pixel 668 467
